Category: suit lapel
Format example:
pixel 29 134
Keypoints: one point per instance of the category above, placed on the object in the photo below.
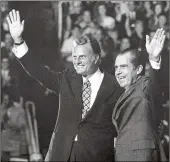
pixel 124 96
pixel 76 83
pixel 105 90
pixel 119 105
pixel 121 100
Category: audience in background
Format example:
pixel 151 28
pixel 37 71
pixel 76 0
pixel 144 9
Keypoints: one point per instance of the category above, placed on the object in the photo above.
pixel 116 25
pixel 13 128
pixel 120 25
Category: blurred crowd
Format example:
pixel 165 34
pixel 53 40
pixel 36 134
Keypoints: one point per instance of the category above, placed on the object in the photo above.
pixel 117 26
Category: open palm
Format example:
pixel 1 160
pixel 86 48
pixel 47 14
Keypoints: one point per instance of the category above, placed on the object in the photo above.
pixel 155 46
pixel 15 26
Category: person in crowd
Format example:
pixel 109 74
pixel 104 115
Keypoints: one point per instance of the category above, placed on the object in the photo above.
pixel 85 21
pixel 6 79
pixel 148 9
pixel 129 18
pixel 84 129
pixel 6 46
pixel 162 22
pixel 75 11
pixel 5 104
pixel 107 47
pixel 101 17
pixel 137 38
pixel 13 132
pixel 147 14
pixel 125 43
pixel 114 34
pixel 153 21
pixel 133 115
pixel 9 80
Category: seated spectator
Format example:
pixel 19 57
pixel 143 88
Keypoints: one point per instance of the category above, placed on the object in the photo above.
pixel 166 8
pixel 5 104
pixel 153 21
pixel 4 8
pixel 125 43
pixel 101 17
pixel 162 22
pixel 75 10
pixel 147 9
pixel 6 47
pixel 115 37
pixel 138 37
pixel 85 21
pixel 129 18
pixel 107 49
pixel 9 80
pixel 6 79
pixel 147 12
pixel 13 136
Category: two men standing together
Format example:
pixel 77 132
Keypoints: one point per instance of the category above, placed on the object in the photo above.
pixel 85 127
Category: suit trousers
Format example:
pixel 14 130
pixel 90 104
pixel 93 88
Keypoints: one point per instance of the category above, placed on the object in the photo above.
pixel 139 155
pixel 75 154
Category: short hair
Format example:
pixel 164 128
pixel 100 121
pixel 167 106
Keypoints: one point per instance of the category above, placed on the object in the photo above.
pixel 138 57
pixel 88 39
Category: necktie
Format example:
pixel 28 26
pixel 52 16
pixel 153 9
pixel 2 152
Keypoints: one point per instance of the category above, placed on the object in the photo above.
pixel 86 98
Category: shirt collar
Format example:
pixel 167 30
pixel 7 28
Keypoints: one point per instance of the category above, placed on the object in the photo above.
pixel 94 77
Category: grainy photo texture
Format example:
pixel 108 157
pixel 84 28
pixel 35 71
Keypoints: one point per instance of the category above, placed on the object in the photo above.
pixel 85 80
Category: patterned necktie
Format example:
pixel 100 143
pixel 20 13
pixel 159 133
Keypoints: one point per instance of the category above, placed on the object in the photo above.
pixel 86 98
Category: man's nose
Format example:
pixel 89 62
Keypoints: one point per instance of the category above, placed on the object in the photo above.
pixel 118 71
pixel 77 60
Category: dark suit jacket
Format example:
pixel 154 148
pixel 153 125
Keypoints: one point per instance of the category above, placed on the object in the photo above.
pixel 133 118
pixel 95 132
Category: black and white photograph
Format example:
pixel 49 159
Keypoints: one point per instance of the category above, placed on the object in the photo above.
pixel 85 81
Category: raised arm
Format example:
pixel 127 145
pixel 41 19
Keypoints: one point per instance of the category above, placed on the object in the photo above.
pixel 45 76
pixel 154 48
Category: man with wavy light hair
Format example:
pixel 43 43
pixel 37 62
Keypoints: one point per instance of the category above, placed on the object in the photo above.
pixel 84 129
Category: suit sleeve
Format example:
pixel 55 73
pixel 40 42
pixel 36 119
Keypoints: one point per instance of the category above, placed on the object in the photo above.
pixel 45 76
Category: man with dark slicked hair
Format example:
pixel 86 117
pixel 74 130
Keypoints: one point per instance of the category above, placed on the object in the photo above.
pixel 133 114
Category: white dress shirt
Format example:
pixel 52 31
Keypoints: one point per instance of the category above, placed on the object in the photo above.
pixel 95 81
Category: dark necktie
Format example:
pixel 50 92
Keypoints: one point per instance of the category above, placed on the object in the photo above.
pixel 86 98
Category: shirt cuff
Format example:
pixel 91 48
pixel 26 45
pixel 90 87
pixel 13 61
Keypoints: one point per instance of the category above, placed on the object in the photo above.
pixel 155 65
pixel 20 50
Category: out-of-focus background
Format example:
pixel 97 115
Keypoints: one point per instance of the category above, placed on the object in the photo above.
pixel 50 28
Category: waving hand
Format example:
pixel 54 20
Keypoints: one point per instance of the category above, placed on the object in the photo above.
pixel 16 27
pixel 155 46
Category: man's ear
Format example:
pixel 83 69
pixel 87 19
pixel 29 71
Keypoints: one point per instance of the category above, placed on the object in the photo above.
pixel 139 69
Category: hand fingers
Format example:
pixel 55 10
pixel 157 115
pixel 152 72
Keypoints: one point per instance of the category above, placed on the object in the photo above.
pixel 159 33
pixel 8 20
pixel 147 40
pixel 23 22
pixel 162 40
pixel 14 14
pixel 18 16
pixel 156 34
pixel 11 17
